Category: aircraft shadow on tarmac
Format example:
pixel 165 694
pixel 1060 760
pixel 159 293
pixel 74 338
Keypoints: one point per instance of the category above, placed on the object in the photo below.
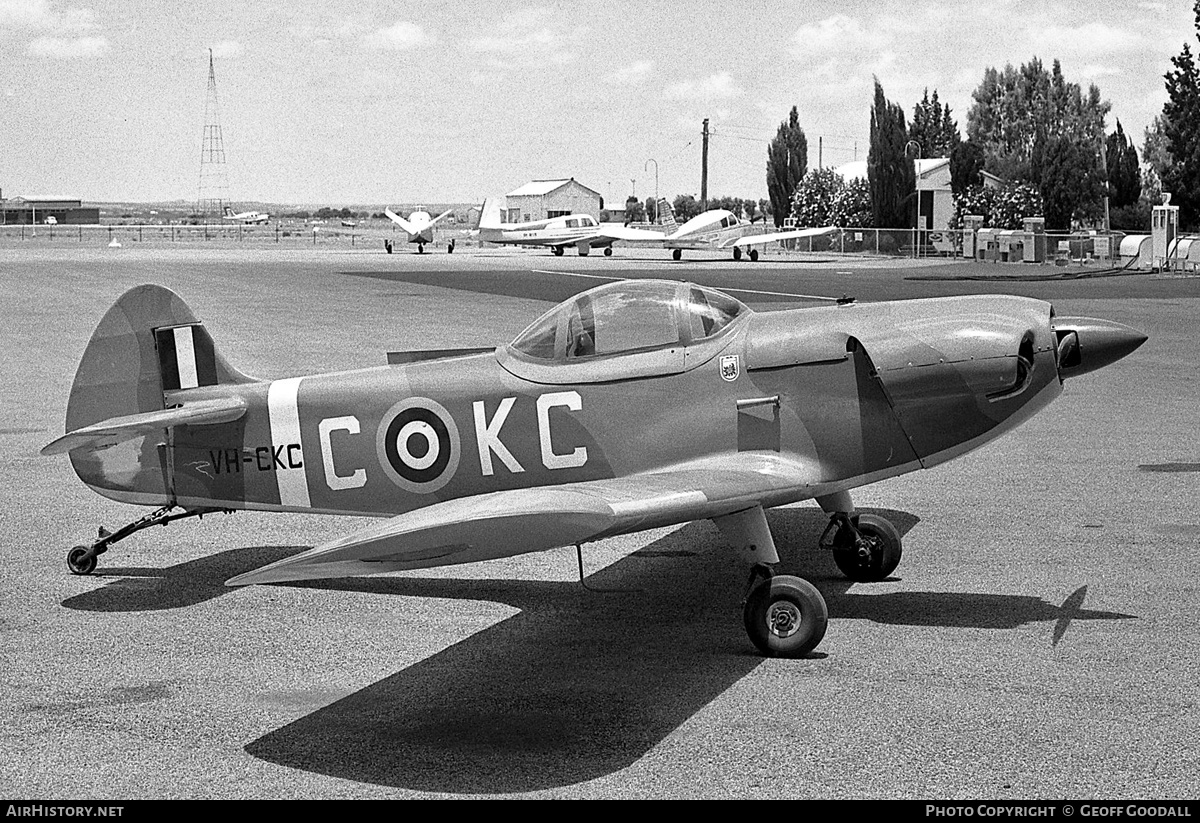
pixel 580 685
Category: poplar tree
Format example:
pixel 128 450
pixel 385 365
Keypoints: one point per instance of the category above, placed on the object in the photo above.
pixel 787 161
pixel 889 170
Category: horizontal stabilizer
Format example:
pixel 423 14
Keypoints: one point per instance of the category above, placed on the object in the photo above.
pixel 517 521
pixel 401 222
pixel 117 429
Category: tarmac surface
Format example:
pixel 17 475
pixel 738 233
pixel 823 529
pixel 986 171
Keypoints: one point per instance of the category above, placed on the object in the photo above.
pixel 1039 639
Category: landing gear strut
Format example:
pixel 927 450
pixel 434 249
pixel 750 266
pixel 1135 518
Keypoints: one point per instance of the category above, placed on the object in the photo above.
pixel 82 559
pixel 784 616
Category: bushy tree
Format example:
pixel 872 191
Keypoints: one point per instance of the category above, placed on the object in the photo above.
pixel 1002 208
pixel 633 210
pixel 852 205
pixel 651 209
pixel 685 207
pixel 1157 157
pixel 812 202
pixel 1181 126
pixel 787 160
pixel 933 127
pixel 889 170
pixel 1015 109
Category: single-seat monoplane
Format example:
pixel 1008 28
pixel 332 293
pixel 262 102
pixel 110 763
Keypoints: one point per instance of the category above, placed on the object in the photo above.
pixel 637 404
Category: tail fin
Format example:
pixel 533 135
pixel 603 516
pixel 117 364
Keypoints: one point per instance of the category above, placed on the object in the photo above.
pixel 147 347
pixel 490 218
pixel 228 212
pixel 666 214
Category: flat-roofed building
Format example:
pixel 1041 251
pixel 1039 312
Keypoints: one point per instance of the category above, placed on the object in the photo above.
pixel 62 210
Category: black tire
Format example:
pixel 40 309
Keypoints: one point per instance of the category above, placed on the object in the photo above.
pixel 753 255
pixel 785 616
pixel 558 251
pixel 737 253
pixel 886 551
pixel 677 254
pixel 81 561
pixel 608 251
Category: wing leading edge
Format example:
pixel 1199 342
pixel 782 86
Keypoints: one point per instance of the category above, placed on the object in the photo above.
pixel 763 239
pixel 518 521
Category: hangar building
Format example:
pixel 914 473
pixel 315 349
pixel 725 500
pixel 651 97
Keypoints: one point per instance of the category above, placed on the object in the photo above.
pixel 541 199
pixel 936 200
pixel 29 210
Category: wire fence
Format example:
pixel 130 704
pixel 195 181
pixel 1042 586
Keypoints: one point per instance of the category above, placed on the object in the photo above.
pixel 986 245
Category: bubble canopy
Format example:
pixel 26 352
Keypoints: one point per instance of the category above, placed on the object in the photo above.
pixel 626 317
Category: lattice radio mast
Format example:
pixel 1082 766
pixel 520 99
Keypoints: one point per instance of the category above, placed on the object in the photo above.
pixel 214 182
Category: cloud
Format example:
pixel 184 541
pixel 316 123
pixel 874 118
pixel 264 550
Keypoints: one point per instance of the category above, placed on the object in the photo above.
pixel 39 16
pixel 838 33
pixel 527 37
pixel 64 48
pixel 399 37
pixel 631 75
pixel 715 86
pixel 226 49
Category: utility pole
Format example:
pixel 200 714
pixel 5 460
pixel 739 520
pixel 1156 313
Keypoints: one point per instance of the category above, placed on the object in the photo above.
pixel 704 170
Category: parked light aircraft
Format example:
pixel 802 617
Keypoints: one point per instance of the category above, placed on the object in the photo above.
pixel 418 227
pixel 579 230
pixel 635 405
pixel 247 217
pixel 722 229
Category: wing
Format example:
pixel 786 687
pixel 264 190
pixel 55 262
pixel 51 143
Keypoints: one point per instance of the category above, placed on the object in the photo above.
pixel 506 523
pixel 446 213
pixel 763 239
pixel 117 429
pixel 618 232
pixel 401 222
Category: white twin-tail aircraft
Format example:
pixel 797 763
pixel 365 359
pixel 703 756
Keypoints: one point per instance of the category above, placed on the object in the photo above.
pixel 247 217
pixel 418 227
pixel 582 231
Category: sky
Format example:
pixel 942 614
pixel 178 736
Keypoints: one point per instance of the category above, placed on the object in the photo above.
pixel 338 103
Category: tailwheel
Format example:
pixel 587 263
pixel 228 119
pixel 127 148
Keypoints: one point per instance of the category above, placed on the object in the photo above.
pixel 871 555
pixel 81 560
pixel 785 616
pixel 608 251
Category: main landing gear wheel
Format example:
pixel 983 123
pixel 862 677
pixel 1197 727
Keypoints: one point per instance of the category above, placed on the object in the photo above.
pixel 677 254
pixel 558 251
pixel 80 560
pixel 753 255
pixel 737 253
pixel 785 616
pixel 873 554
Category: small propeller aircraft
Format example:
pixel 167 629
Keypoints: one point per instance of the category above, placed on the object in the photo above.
pixel 722 229
pixel 579 230
pixel 418 227
pixel 247 217
pixel 635 405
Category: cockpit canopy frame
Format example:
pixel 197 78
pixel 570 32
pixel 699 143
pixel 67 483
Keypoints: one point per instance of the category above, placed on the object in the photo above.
pixel 626 329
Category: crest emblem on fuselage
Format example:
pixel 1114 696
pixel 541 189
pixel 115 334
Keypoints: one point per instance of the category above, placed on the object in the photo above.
pixel 418 445
pixel 730 368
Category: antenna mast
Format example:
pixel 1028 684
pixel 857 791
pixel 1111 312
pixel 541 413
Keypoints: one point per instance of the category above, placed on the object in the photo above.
pixel 214 182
